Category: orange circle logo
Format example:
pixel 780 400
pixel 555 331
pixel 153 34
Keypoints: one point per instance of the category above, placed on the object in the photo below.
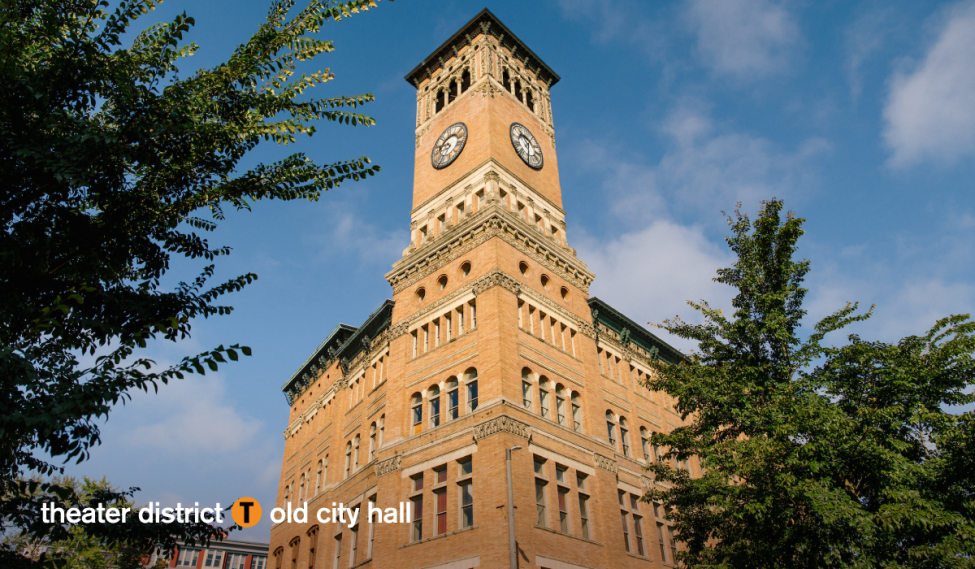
pixel 246 512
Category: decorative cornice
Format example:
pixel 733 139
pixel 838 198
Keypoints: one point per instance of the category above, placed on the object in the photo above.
pixel 605 463
pixel 493 220
pixel 502 424
pixel 389 465
pixel 497 277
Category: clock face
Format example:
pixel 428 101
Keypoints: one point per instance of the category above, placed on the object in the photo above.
pixel 526 146
pixel 449 146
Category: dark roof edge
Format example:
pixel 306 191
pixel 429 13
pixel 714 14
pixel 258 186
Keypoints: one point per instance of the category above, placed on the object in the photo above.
pixel 315 353
pixel 382 316
pixel 666 350
pixel 483 14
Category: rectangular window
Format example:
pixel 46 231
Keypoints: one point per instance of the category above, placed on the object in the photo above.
pixel 600 355
pixel 414 343
pixel 560 473
pixel 213 559
pixel 447 319
pixel 417 529
pixel 584 515
pixel 552 322
pixel 440 475
pixel 338 552
pixel 187 557
pixel 417 482
pixel 540 502
pixel 436 332
pixel 258 562
pixel 673 545
pixel 354 546
pixel 460 321
pixel 581 480
pixel 452 397
pixel 663 546
pixel 521 310
pixel 464 467
pixel 372 528
pixel 531 319
pixel 466 504
pixel 541 325
pixel 638 535
pixel 563 510
pixel 540 466
pixel 237 560
pixel 440 497
pixel 426 338
pixel 473 314
pixel 572 337
pixel 471 396
pixel 626 531
pixel 526 394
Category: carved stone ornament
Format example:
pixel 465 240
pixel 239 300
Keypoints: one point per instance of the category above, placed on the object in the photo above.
pixel 399 329
pixel 646 483
pixel 501 424
pixel 389 465
pixel 496 278
pixel 487 88
pixel 605 463
pixel 587 330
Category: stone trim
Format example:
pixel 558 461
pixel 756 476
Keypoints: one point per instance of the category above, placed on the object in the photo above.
pixel 502 424
pixel 605 463
pixel 493 220
pixel 389 465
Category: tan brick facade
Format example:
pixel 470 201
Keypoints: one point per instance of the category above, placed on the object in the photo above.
pixel 490 330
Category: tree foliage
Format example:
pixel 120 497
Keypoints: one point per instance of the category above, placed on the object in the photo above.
pixel 815 455
pixel 113 162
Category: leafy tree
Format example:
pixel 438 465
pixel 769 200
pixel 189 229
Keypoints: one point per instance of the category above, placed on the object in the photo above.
pixel 113 162
pixel 79 549
pixel 815 455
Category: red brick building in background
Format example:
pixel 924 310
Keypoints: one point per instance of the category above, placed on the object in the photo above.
pixel 490 341
pixel 226 554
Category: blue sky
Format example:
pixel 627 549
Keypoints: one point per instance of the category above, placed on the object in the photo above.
pixel 861 116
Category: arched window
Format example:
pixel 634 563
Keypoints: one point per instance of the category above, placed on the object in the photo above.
pixel 471 381
pixel 417 405
pixel 372 442
pixel 645 440
pixel 433 396
pixel 529 100
pixel 506 80
pixel 382 431
pixel 526 388
pixel 611 427
pixel 348 458
pixel 453 399
pixel 576 411
pixel 517 91
pixel 465 80
pixel 560 404
pixel 355 454
pixel 287 494
pixel 625 436
pixel 301 488
pixel 658 453
pixel 325 471
pixel 543 401
pixel 441 100
pixel 452 91
pixel 318 476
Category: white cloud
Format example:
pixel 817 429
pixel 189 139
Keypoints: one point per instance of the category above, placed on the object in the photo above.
pixel 743 38
pixel 716 170
pixel 864 38
pixel 650 274
pixel 930 113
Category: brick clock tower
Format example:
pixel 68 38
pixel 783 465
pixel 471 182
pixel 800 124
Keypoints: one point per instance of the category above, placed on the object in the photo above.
pixel 490 342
